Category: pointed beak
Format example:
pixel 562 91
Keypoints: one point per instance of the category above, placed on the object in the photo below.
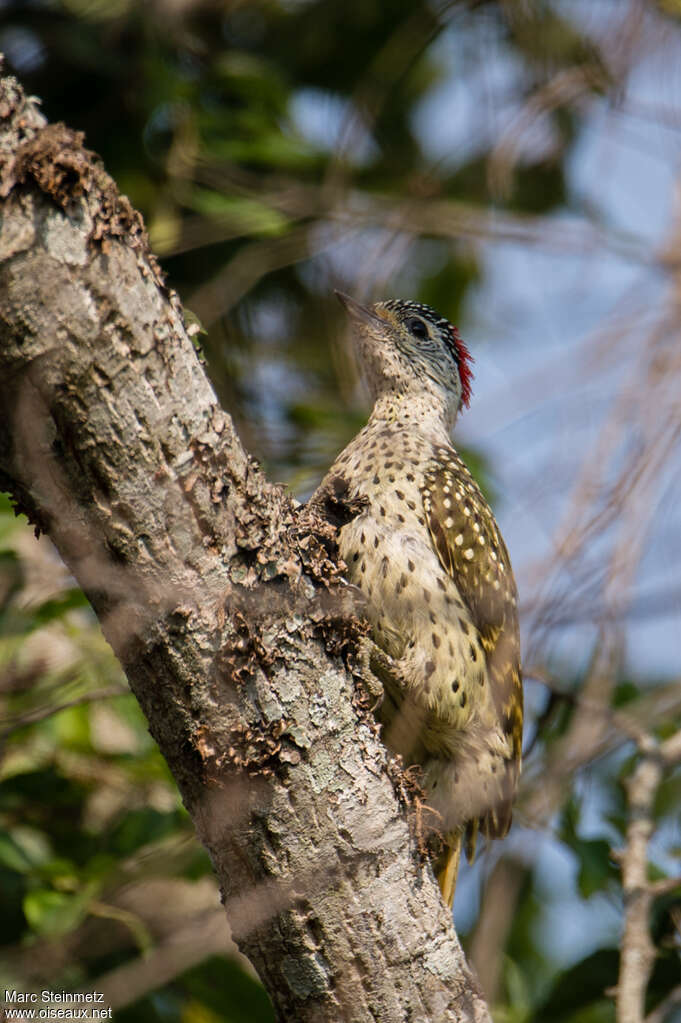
pixel 359 312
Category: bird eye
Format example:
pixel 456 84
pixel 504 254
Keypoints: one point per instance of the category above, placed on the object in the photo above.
pixel 417 327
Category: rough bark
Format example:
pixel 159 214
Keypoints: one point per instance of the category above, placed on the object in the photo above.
pixel 222 601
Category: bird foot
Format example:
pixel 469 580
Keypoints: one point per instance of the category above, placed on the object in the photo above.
pixel 378 670
pixel 368 658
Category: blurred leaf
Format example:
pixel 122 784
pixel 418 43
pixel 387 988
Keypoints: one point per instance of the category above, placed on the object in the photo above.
pixel 234 997
pixel 71 600
pixel 625 692
pixel 52 913
pixel 518 993
pixel 579 994
pixel 22 621
pixel 12 891
pixel 596 869
pixel 11 574
pixel 44 789
pixel 140 827
pixel 12 855
pixel 247 215
pixel 23 849
pixel 668 797
pixel 72 726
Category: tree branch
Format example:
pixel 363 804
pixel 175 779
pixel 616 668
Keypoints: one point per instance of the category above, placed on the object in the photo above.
pixel 638 951
pixel 223 603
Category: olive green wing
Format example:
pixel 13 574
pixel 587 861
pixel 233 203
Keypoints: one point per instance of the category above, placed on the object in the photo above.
pixel 471 549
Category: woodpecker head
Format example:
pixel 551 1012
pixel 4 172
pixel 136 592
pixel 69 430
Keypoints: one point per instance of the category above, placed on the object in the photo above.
pixel 407 349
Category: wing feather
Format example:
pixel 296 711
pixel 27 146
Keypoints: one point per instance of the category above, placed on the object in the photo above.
pixel 471 549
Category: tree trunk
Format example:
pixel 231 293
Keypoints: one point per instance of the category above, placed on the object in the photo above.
pixel 222 601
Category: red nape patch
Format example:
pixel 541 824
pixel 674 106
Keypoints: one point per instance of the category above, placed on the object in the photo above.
pixel 464 358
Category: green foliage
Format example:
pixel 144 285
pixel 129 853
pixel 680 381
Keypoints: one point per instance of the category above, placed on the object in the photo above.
pixel 579 994
pixel 596 868
pixel 198 996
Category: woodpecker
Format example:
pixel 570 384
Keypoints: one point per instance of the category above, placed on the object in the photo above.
pixel 426 551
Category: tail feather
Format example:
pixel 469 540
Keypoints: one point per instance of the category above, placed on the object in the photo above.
pixel 448 868
pixel 494 824
pixel 471 839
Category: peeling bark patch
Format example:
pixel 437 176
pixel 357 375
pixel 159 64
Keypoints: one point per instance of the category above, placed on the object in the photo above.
pixel 53 159
pixel 337 624
pixel 259 750
pixel 315 532
pixel 56 161
pixel 245 653
pixel 409 790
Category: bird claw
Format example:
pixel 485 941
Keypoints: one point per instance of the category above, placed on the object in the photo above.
pixel 369 660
